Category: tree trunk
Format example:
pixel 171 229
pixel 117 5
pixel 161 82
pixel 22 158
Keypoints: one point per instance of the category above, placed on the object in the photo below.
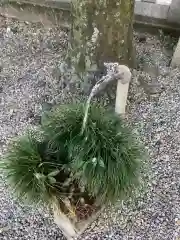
pixel 102 31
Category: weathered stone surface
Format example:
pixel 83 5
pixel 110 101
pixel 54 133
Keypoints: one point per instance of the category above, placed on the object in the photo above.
pixel 151 10
pixel 60 4
pixel 163 2
pixel 150 1
pixel 174 12
pixel 176 57
pixel 31 13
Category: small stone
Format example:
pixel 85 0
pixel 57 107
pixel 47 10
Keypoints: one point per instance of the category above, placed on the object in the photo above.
pixel 142 38
pixel 82 201
pixel 158 142
pixel 14 29
pixel 11 111
pixel 4 229
pixel 8 30
pixel 30 114
pixel 41 84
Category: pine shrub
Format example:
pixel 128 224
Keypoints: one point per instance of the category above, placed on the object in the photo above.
pixel 105 158
pixel 34 168
pixel 60 159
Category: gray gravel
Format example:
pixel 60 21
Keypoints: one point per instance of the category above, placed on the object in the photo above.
pixel 29 56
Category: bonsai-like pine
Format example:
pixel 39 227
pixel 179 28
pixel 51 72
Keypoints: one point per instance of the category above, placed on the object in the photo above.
pixel 78 168
pixel 105 157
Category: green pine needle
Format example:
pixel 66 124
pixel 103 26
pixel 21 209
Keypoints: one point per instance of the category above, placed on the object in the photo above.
pixel 106 158
pixel 31 167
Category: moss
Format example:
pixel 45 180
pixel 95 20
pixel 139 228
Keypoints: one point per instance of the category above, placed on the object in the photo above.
pixel 113 20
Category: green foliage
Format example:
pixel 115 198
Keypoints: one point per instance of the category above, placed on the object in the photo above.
pixel 32 167
pixel 105 159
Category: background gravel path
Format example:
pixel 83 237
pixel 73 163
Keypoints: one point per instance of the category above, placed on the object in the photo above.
pixel 29 56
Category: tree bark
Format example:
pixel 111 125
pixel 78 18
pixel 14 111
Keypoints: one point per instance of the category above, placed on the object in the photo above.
pixel 102 31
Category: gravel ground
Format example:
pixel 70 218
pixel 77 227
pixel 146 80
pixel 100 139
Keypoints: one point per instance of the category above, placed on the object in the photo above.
pixel 29 56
